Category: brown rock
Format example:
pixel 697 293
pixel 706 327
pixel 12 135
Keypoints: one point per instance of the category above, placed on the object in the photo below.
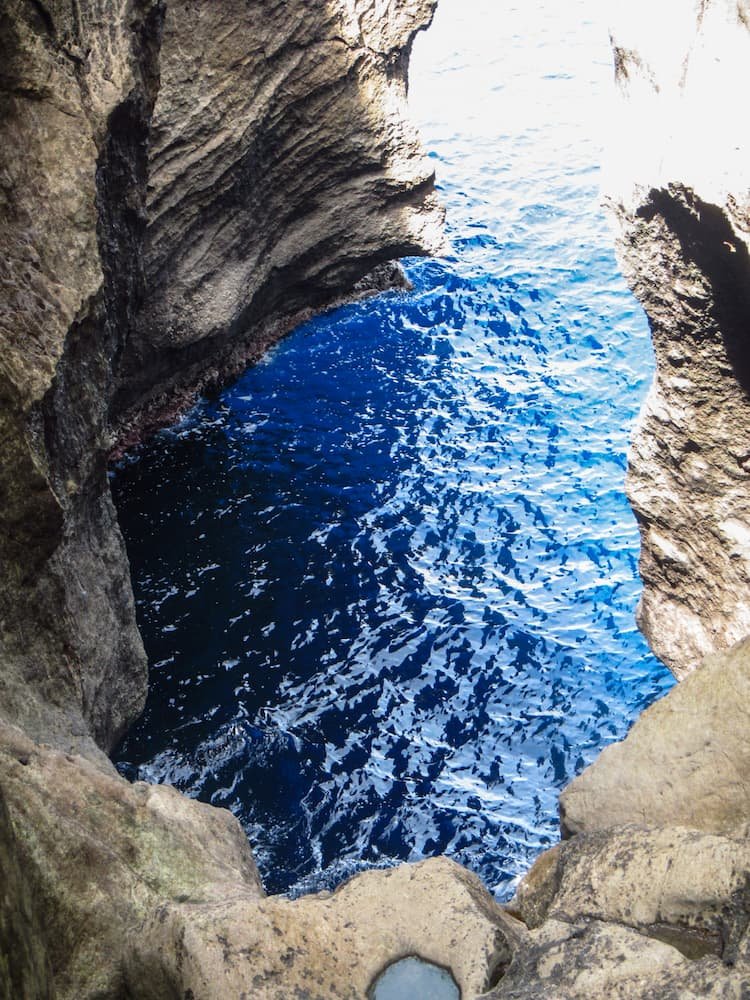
pixel 598 961
pixel 685 888
pixel 679 183
pixel 685 762
pixel 331 945
pixel 99 855
pixel 179 184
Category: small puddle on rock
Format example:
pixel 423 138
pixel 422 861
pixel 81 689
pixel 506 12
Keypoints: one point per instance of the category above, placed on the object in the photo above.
pixel 414 979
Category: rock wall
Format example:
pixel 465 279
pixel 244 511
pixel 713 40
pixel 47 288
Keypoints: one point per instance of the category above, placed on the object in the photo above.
pixel 680 185
pixel 179 183
pixel 648 895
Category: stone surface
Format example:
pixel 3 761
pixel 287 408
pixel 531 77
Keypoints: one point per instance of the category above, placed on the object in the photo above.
pixel 98 855
pixel 594 961
pixel 119 890
pixel 179 183
pixel 650 893
pixel 688 889
pixel 299 176
pixel 685 762
pixel 73 667
pixel 329 946
pixel 24 969
pixel 679 183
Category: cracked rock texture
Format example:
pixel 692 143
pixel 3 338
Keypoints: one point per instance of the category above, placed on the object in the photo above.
pixel 680 183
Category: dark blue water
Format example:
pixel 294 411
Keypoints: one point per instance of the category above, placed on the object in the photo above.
pixel 387 580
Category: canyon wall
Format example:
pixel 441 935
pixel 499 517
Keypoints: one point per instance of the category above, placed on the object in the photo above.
pixel 182 181
pixel 679 179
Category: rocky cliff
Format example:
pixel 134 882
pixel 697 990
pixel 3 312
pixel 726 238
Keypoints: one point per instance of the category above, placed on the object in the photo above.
pixel 680 183
pixel 180 182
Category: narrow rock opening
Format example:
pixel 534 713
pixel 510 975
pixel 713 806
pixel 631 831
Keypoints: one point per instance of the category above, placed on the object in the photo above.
pixel 367 571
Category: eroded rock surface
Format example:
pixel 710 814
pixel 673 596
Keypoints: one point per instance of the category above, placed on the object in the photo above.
pixel 330 945
pixel 650 895
pixel 680 179
pixel 119 890
pixel 180 183
pixel 686 761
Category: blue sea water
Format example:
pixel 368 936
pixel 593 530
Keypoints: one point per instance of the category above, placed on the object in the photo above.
pixel 386 581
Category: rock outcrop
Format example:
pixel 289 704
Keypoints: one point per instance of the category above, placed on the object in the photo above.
pixel 180 183
pixel 679 179
pixel 120 890
pixel 650 894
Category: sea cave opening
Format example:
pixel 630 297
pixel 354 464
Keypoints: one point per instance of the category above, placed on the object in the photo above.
pixel 386 580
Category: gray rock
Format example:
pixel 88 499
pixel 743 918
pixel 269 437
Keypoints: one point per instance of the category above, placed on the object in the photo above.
pixel 179 185
pixel 660 908
pixel 688 889
pixel 112 889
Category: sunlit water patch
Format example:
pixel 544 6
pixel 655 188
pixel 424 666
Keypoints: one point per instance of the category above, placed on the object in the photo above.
pixel 387 580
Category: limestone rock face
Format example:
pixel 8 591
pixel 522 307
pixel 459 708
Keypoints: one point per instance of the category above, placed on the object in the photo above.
pixel 611 962
pixel 100 855
pixel 282 168
pixel 650 894
pixel 679 187
pixel 179 183
pixel 685 762
pixel 73 667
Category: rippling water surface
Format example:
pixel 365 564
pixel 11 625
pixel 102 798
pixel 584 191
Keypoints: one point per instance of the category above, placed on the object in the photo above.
pixel 387 580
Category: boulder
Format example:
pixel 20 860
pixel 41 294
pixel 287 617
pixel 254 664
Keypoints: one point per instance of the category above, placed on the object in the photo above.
pixel 329 946
pixel 685 762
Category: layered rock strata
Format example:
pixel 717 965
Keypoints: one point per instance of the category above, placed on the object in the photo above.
pixel 680 183
pixel 180 182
